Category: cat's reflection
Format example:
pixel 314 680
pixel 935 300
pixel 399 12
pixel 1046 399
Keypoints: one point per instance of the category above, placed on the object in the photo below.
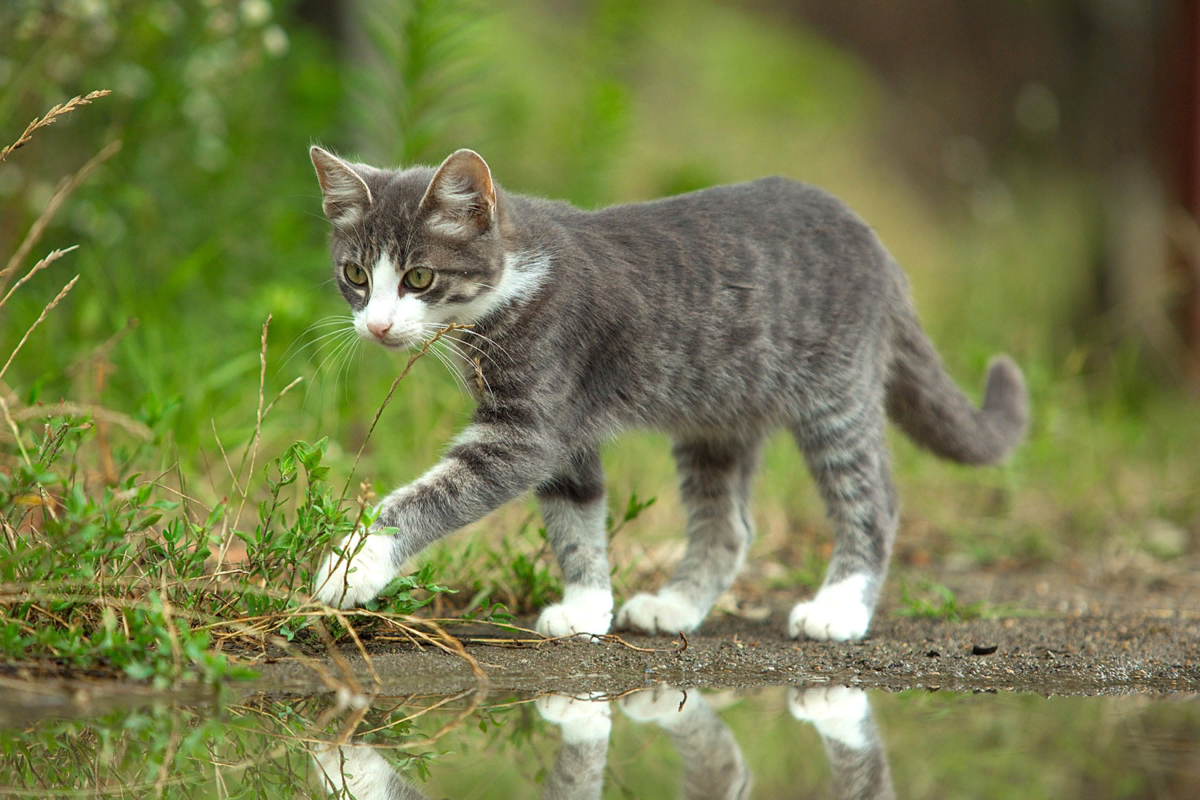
pixel 843 719
pixel 713 766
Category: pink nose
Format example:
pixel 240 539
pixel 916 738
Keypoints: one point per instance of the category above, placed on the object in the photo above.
pixel 379 329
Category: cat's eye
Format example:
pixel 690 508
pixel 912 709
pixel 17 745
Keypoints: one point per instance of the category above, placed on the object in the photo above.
pixel 418 278
pixel 355 274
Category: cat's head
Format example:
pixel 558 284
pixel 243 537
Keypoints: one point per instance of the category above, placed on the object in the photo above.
pixel 415 249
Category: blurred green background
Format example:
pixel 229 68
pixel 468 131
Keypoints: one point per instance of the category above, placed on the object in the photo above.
pixel 982 144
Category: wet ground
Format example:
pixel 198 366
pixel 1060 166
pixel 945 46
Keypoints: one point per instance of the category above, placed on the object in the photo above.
pixel 1075 680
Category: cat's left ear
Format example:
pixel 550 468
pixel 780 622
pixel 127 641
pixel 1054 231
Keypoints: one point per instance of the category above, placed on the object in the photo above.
pixel 461 198
pixel 345 194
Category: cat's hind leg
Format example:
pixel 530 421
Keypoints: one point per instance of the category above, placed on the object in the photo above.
pixel 715 480
pixel 574 511
pixel 846 450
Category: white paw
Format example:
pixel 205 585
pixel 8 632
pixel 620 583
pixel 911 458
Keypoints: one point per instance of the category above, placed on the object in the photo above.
pixel 837 712
pixel 580 718
pixel 361 572
pixel 667 612
pixel 838 612
pixel 662 704
pixel 585 613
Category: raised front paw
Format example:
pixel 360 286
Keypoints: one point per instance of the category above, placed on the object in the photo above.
pixel 837 712
pixel 838 613
pixel 667 612
pixel 360 571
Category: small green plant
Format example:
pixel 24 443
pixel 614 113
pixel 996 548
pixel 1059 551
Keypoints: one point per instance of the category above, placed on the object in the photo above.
pixel 936 601
pixel 633 509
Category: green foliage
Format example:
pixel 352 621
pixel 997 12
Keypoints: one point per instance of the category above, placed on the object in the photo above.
pixel 117 578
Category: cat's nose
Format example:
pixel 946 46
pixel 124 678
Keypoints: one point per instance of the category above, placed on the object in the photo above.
pixel 379 329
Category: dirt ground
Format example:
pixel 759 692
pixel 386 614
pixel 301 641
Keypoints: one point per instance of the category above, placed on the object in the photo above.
pixel 1099 626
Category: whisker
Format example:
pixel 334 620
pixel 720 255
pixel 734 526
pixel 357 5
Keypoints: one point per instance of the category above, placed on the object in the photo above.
pixel 298 344
pixel 460 383
pixel 478 372
pixel 347 358
pixel 339 345
pixel 479 350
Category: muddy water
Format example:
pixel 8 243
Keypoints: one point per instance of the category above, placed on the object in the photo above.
pixel 817 741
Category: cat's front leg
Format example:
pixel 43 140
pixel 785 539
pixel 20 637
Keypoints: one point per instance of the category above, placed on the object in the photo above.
pixel 357 570
pixel 489 464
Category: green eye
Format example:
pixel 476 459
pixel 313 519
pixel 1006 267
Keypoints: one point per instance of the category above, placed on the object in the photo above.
pixel 355 274
pixel 418 278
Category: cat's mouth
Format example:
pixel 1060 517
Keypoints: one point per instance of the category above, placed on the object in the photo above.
pixel 396 342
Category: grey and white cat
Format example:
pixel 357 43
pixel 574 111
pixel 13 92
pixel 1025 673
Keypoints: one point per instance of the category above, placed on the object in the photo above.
pixel 716 316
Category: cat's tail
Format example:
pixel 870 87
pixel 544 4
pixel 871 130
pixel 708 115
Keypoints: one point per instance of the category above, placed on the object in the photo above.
pixel 927 405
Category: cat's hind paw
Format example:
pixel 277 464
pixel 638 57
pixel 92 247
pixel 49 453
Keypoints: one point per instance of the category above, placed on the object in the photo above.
pixel 584 613
pixel 365 567
pixel 838 613
pixel 662 704
pixel 667 612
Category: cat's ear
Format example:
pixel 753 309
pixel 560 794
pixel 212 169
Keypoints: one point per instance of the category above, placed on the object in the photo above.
pixel 345 194
pixel 461 198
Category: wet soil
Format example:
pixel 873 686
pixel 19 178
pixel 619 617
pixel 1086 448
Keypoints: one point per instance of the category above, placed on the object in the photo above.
pixel 1075 629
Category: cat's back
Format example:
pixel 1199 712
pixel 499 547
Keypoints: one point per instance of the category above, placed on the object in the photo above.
pixel 763 203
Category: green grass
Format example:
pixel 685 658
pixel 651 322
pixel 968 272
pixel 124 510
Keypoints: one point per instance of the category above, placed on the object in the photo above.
pixel 935 601
pixel 120 579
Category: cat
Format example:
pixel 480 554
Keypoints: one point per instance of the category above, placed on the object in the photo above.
pixel 715 316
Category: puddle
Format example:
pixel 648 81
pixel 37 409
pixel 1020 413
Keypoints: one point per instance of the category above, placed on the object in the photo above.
pixel 823 741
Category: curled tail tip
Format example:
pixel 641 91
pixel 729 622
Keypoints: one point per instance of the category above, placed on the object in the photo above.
pixel 1006 403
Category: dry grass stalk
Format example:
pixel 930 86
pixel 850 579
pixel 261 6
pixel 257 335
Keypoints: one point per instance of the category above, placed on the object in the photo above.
pixel 403 374
pixel 227 530
pixel 12 425
pixel 61 193
pixel 65 408
pixel 50 258
pixel 50 116
pixel 57 299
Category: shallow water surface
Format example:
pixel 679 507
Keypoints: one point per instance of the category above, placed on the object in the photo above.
pixel 815 741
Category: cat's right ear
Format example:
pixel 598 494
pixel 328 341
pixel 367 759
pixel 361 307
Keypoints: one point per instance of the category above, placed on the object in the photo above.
pixel 461 199
pixel 345 194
